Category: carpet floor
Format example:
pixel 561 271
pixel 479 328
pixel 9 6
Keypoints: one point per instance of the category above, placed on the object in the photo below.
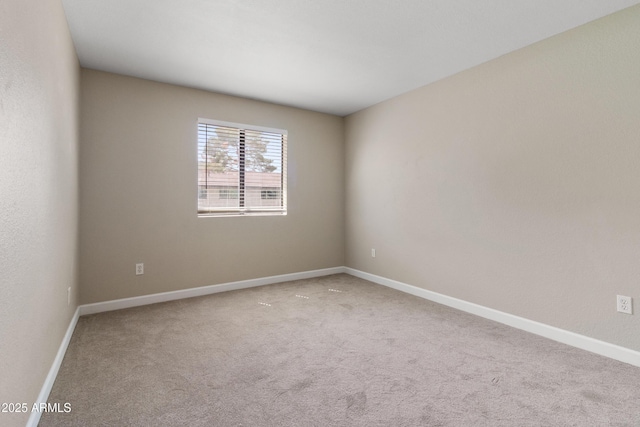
pixel 330 351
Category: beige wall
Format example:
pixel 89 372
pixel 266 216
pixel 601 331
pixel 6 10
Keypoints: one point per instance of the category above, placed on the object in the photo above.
pixel 138 192
pixel 514 185
pixel 39 83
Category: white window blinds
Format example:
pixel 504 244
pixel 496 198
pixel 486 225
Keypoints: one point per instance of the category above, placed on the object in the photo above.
pixel 242 169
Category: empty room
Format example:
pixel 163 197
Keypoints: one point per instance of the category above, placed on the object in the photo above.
pixel 295 213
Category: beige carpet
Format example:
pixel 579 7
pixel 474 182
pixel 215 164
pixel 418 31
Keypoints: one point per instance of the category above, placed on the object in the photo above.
pixel 333 351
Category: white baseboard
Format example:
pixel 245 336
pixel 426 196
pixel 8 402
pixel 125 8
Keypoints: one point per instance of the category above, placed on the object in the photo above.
pixel 593 345
pixel 204 290
pixel 34 418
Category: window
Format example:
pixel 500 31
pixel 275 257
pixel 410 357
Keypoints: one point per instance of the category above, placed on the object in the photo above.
pixel 242 169
pixel 202 192
pixel 272 193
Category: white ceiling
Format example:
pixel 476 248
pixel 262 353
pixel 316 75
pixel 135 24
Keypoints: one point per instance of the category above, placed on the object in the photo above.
pixel 333 56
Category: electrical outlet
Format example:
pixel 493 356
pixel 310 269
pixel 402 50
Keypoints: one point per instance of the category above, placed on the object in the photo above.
pixel 139 269
pixel 373 253
pixel 625 304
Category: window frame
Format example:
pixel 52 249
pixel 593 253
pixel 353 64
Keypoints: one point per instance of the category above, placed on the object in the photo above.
pixel 241 210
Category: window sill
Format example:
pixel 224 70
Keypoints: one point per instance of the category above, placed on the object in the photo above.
pixel 238 214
